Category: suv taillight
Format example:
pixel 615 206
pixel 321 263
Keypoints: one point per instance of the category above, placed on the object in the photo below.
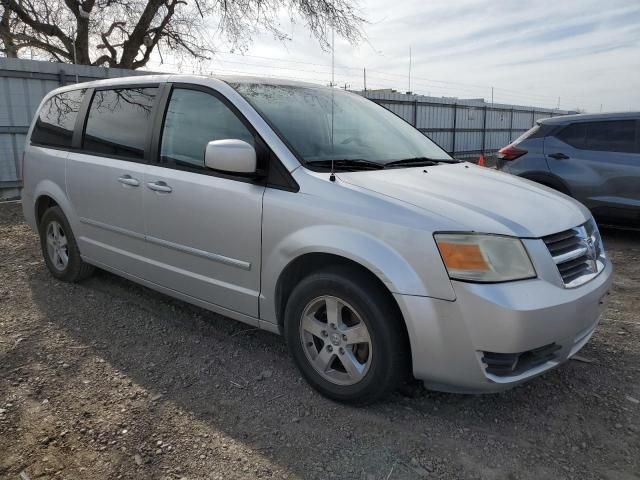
pixel 510 152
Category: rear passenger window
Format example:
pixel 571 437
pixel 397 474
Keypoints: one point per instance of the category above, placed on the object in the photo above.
pixel 612 136
pixel 118 122
pixel 574 135
pixel 605 136
pixel 57 118
pixel 195 118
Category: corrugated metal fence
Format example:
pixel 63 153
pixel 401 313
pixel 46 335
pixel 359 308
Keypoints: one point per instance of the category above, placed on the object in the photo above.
pixel 23 84
pixel 463 127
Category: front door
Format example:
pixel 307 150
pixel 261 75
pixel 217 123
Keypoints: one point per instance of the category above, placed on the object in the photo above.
pixel 203 230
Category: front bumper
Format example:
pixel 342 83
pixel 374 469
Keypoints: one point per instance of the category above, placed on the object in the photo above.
pixel 449 338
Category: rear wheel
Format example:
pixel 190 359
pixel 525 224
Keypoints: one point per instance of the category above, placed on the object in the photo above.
pixel 346 337
pixel 59 248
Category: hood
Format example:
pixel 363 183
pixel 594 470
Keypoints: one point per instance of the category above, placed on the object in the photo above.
pixel 476 198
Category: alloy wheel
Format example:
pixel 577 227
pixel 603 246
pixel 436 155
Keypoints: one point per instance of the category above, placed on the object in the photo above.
pixel 57 247
pixel 336 340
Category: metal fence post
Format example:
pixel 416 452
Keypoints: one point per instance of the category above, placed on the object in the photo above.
pixel 453 130
pixel 484 129
pixel 415 113
pixel 511 126
pixel 533 117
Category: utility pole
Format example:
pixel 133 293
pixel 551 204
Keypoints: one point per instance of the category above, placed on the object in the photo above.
pixel 364 73
pixel 558 103
pixel 492 96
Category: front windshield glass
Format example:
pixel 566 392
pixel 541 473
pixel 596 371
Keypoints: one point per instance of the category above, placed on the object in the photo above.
pixel 323 124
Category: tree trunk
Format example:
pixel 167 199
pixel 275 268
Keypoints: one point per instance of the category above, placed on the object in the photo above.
pixel 82 42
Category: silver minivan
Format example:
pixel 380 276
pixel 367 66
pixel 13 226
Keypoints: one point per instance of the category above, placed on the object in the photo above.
pixel 315 213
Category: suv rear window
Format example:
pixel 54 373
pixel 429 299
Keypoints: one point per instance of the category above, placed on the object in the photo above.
pixel 604 136
pixel 118 121
pixel 57 118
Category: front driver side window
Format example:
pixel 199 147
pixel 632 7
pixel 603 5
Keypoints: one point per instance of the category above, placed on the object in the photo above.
pixel 193 119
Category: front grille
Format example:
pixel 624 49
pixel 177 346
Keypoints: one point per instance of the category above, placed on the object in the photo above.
pixel 509 364
pixel 577 252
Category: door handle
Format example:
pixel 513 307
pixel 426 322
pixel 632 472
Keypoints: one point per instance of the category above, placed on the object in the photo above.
pixel 159 187
pixel 559 156
pixel 128 180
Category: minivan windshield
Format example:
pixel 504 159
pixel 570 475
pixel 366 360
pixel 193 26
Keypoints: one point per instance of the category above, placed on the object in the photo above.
pixel 326 124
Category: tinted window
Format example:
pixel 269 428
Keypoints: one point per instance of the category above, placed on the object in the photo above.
pixel 56 119
pixel 574 135
pixel 193 119
pixel 118 121
pixel 612 136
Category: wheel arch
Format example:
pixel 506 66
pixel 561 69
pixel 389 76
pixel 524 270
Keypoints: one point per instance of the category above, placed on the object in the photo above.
pixel 338 244
pixel 48 194
pixel 308 263
pixel 42 204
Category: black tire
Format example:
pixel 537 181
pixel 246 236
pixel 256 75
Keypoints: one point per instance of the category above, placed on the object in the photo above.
pixel 389 363
pixel 76 269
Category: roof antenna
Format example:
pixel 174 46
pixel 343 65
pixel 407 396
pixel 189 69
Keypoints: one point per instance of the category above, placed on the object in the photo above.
pixel 332 176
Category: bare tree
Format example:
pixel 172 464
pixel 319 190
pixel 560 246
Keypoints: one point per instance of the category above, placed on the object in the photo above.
pixel 124 33
pixel 8 44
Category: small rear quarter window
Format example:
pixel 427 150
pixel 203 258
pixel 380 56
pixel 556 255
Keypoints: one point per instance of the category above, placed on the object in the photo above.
pixel 57 118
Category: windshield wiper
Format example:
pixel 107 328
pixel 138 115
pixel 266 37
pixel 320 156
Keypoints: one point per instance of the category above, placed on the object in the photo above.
pixel 418 162
pixel 347 164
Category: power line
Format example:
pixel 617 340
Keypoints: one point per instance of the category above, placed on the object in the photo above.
pixel 448 82
pixel 446 88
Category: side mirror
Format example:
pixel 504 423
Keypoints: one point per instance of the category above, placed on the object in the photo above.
pixel 235 156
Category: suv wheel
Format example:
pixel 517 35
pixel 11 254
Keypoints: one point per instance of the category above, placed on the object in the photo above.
pixel 59 248
pixel 345 336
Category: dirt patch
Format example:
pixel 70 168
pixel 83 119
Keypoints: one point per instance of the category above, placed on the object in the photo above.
pixel 107 379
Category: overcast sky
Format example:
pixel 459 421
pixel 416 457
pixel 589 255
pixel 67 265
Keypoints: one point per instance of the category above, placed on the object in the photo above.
pixel 585 52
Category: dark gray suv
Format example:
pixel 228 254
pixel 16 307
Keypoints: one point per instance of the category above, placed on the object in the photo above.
pixel 594 158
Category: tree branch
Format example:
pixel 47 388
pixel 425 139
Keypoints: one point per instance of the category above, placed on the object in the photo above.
pixel 38 26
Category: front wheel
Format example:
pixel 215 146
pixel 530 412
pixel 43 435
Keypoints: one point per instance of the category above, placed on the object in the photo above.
pixel 346 337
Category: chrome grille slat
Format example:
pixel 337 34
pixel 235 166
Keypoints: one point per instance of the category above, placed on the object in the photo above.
pixel 557 237
pixel 570 255
pixel 572 264
pixel 574 272
pixel 577 253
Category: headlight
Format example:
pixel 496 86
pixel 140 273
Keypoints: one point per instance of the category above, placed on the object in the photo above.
pixel 484 258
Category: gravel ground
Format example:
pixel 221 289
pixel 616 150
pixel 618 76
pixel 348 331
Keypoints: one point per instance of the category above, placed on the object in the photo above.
pixel 106 379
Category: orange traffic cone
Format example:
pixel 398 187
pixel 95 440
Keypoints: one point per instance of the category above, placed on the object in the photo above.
pixel 481 160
